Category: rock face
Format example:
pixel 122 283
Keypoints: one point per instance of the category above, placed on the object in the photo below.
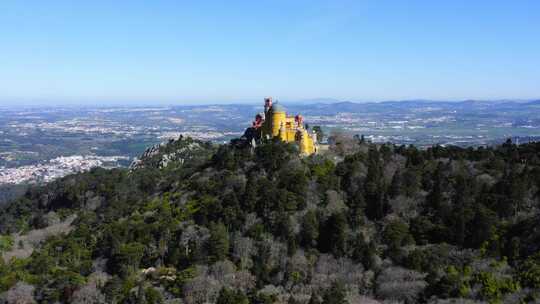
pixel 26 243
pixel 175 151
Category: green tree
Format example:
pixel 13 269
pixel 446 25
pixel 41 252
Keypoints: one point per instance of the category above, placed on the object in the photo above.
pixel 333 235
pixel 309 232
pixel 127 258
pixel 434 200
pixel 314 299
pixel 228 296
pixel 335 294
pixel 396 184
pixel 529 274
pixel 249 199
pixel 462 212
pixel 481 227
pixel 153 296
pixel 320 134
pixel 293 300
pixel 357 207
pixel 374 187
pixel 410 182
pixel 273 154
pixel 6 242
pixel 396 235
pixel 218 243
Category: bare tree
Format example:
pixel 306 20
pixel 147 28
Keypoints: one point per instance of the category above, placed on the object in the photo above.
pixel 341 143
pixel 334 202
pixel 243 280
pixel 251 219
pixel 328 270
pixel 396 283
pixel 404 207
pixel 201 289
pixel 455 301
pixel 297 269
pixel 359 299
pixel 21 293
pixel 88 294
pixel 242 250
pixel 193 235
pixel 223 272
pixel 276 291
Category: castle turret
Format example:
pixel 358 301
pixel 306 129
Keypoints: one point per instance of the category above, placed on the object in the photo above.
pixel 306 143
pixel 278 118
pixel 276 124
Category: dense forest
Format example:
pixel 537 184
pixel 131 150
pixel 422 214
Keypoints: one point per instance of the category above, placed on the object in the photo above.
pixel 11 192
pixel 193 222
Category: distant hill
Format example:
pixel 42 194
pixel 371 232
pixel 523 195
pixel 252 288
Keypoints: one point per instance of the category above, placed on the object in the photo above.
pixel 382 107
pixel 534 102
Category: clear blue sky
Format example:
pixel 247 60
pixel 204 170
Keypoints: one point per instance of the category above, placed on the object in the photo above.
pixel 228 51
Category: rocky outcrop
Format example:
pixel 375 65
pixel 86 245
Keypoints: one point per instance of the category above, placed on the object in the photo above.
pixel 175 151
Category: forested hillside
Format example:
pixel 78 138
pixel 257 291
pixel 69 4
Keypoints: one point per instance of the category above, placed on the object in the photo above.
pixel 196 223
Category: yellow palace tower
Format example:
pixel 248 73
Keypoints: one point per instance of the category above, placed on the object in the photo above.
pixel 276 123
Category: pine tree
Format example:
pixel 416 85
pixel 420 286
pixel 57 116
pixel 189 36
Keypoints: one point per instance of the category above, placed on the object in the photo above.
pixel 434 200
pixel 314 299
pixel 228 296
pixel 396 184
pixel 357 207
pixel 373 186
pixel 309 232
pixel 218 244
pixel 333 235
pixel 335 294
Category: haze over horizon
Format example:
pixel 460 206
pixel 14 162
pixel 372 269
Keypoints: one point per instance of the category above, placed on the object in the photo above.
pixel 248 102
pixel 173 53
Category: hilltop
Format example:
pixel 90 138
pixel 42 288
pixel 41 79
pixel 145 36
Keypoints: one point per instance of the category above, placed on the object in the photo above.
pixel 195 222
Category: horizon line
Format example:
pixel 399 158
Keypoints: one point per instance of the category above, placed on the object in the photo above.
pixel 323 100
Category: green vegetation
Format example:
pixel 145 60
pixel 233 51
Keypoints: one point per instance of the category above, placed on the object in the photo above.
pixel 6 243
pixel 240 225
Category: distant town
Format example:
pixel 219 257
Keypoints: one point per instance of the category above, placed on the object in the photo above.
pixel 56 168
pixel 39 144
